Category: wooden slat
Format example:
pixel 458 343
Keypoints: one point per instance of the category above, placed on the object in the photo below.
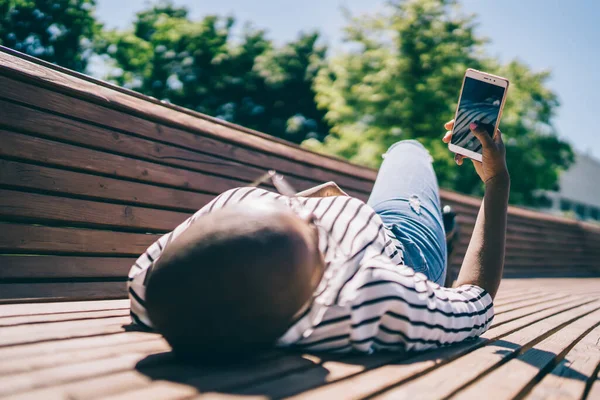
pixel 61 291
pixel 62 267
pixel 499 307
pixel 185 119
pixel 24 334
pixel 45 209
pixel 57 128
pixel 62 317
pixel 208 154
pixel 53 153
pixel 14 384
pixel 594 392
pixel 518 375
pixel 534 307
pixel 569 378
pixel 32 364
pixel 513 307
pixel 29 176
pixel 36 239
pixel 373 381
pixel 16 310
pixel 73 345
pixel 446 380
pixel 117 377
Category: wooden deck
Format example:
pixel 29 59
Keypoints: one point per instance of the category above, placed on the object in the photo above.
pixel 544 344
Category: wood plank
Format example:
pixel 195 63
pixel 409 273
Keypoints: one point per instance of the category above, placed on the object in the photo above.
pixel 36 363
pixel 62 317
pixel 532 308
pixel 73 345
pixel 517 376
pixel 373 380
pixel 20 175
pixel 448 379
pixel 35 239
pixel 508 304
pixel 569 378
pixel 594 392
pixel 48 152
pixel 171 116
pixel 515 304
pixel 22 147
pixel 160 141
pixel 82 380
pixel 53 127
pixel 16 383
pixel 17 310
pixel 159 391
pixel 44 209
pixel 61 267
pixel 18 335
pixel 61 291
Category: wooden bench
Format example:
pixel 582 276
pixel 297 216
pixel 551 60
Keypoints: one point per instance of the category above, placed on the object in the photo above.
pixel 91 174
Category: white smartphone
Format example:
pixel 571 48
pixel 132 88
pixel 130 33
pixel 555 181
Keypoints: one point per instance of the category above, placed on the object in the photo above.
pixel 481 100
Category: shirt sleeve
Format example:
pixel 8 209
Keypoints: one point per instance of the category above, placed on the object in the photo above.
pixel 402 310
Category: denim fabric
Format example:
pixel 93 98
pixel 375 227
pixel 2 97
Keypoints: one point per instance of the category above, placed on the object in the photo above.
pixel 406 196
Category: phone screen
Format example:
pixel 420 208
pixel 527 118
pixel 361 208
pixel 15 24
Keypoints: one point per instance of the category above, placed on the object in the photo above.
pixel 480 102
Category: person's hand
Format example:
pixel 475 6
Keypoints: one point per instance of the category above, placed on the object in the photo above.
pixel 493 164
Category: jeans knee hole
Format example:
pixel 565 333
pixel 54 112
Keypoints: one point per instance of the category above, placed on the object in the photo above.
pixel 415 204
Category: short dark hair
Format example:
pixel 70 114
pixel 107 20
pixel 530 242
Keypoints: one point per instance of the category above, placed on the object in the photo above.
pixel 220 289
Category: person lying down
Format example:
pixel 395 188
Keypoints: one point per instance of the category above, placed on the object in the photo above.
pixel 323 271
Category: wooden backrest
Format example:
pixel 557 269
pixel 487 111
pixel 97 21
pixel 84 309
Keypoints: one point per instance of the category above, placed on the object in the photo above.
pixel 91 174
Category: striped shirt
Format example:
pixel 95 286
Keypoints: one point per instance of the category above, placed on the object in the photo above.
pixel 368 299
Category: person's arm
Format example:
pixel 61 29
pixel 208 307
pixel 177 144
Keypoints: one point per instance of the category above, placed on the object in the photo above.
pixel 484 260
pixel 327 189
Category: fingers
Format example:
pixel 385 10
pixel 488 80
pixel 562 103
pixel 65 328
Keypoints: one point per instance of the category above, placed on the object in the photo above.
pixel 458 159
pixel 449 125
pixel 481 134
pixel 497 137
pixel 447 137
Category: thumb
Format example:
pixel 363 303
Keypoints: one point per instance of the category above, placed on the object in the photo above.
pixel 481 134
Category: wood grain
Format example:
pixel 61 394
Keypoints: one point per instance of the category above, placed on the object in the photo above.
pixel 36 239
pixel 448 379
pixel 185 119
pixel 34 267
pixel 61 291
pixel 514 378
pixel 48 210
pixel 189 146
pixel 58 181
pixel 569 378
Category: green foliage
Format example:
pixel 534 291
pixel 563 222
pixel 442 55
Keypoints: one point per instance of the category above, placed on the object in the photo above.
pixel 399 79
pixel 59 31
pixel 198 65
pixel 402 82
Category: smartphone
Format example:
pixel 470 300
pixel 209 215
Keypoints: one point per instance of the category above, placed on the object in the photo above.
pixel 481 100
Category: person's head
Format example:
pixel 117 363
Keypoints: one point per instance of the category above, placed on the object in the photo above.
pixel 234 281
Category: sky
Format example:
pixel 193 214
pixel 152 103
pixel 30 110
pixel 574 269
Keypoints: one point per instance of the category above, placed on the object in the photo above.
pixel 562 36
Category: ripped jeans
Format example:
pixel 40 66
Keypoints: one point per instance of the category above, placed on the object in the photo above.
pixel 406 196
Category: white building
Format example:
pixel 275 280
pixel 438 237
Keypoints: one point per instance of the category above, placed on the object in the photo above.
pixel 579 193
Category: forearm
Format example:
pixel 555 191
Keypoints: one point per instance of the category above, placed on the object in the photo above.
pixel 324 190
pixel 484 260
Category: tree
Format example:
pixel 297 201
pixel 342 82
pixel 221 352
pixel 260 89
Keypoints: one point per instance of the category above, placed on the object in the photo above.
pixel 401 81
pixel 59 31
pixel 197 64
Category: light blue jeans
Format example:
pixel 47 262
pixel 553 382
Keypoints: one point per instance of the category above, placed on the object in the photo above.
pixel 406 196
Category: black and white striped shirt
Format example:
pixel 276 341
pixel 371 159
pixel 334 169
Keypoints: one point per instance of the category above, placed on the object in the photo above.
pixel 368 299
